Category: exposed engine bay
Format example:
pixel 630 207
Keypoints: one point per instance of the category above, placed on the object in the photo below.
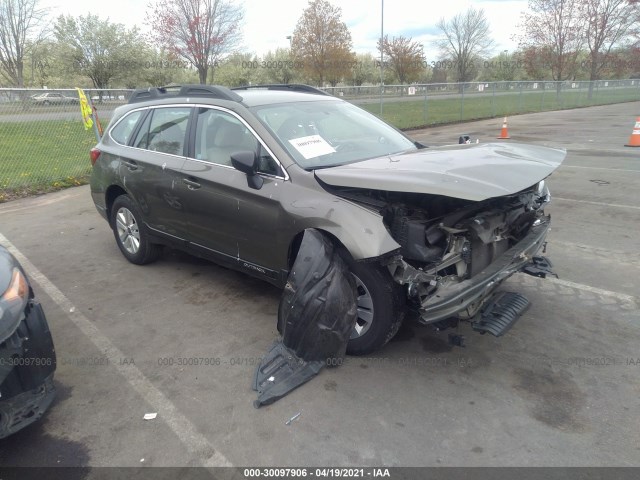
pixel 447 242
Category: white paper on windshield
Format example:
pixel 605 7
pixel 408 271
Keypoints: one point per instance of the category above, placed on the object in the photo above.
pixel 312 146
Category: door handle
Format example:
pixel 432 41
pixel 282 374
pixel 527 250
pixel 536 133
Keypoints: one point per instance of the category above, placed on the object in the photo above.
pixel 191 185
pixel 130 165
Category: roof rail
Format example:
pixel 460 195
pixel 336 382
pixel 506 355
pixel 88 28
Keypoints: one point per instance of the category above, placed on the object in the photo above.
pixel 294 87
pixel 210 91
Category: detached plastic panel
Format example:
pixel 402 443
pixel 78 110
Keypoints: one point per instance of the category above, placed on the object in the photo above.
pixel 316 316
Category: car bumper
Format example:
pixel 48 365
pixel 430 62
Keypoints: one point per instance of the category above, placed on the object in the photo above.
pixel 27 365
pixel 449 300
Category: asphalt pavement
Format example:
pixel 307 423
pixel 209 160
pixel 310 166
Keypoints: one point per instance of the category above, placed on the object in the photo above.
pixel 181 338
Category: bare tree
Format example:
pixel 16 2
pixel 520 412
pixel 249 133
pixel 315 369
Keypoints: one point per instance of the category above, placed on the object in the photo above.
pixel 405 56
pixel 20 28
pixel 199 31
pixel 322 42
pixel 555 30
pixel 467 38
pixel 608 22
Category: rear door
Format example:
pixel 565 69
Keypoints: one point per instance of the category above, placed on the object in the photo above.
pixel 151 170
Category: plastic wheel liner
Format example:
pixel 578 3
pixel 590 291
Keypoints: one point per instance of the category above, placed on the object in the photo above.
pixel 317 315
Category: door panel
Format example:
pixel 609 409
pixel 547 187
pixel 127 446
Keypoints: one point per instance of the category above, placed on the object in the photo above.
pixel 151 171
pixel 225 215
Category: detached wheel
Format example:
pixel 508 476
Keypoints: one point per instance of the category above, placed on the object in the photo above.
pixel 381 307
pixel 130 234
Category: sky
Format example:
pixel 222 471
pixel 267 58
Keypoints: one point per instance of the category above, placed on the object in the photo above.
pixel 268 22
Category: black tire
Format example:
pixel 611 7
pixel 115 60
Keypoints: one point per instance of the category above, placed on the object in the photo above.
pixel 133 239
pixel 388 301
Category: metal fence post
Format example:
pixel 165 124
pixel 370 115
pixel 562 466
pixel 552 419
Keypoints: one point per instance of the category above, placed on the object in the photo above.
pixel 520 99
pixel 425 106
pixel 462 101
pixel 493 100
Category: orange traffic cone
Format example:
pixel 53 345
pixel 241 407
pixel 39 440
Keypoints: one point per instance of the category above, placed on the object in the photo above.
pixel 504 133
pixel 634 139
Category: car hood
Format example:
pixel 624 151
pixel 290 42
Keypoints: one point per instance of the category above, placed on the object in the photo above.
pixel 472 172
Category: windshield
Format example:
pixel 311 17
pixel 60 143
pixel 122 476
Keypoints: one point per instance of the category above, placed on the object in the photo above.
pixel 326 134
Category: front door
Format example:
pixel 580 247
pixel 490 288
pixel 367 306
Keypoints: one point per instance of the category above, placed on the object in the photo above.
pixel 228 219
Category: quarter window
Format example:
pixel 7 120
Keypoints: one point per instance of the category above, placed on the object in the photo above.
pixel 164 130
pixel 121 133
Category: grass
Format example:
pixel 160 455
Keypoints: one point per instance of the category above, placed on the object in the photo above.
pixel 434 110
pixel 40 156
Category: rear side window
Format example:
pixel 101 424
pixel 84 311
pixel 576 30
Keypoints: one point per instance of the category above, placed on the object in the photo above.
pixel 164 130
pixel 121 133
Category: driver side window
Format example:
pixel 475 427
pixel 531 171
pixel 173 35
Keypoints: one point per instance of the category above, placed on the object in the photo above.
pixel 220 134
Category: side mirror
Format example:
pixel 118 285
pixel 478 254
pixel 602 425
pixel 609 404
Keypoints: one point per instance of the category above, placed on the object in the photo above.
pixel 247 162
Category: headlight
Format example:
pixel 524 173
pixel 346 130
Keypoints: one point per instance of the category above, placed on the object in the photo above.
pixel 543 192
pixel 12 304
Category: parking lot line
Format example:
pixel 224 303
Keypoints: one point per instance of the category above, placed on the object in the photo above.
pixel 184 429
pixel 598 291
pixel 602 204
pixel 601 168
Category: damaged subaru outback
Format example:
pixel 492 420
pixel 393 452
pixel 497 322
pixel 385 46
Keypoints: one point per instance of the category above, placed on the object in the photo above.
pixel 238 175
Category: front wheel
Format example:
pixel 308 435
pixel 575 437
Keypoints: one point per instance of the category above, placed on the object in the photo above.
pixel 130 234
pixel 381 307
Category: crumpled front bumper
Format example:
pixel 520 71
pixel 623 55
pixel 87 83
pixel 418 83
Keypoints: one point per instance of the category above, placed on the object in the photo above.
pixel 448 300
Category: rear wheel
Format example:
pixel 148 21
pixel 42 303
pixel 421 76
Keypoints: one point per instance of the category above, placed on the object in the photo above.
pixel 130 234
pixel 381 307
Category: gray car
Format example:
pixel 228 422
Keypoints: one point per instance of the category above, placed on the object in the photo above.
pixel 237 176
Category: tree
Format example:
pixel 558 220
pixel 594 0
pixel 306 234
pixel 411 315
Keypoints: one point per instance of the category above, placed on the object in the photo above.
pixel 607 23
pixel 20 28
pixel 555 30
pixel 279 66
pixel 322 42
pixel 99 49
pixel 467 40
pixel 201 32
pixel 535 63
pixel 366 70
pixel 504 67
pixel 162 68
pixel 239 70
pixel 405 57
pixel 39 64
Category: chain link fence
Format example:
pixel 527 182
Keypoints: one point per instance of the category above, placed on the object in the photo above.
pixel 412 106
pixel 44 145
